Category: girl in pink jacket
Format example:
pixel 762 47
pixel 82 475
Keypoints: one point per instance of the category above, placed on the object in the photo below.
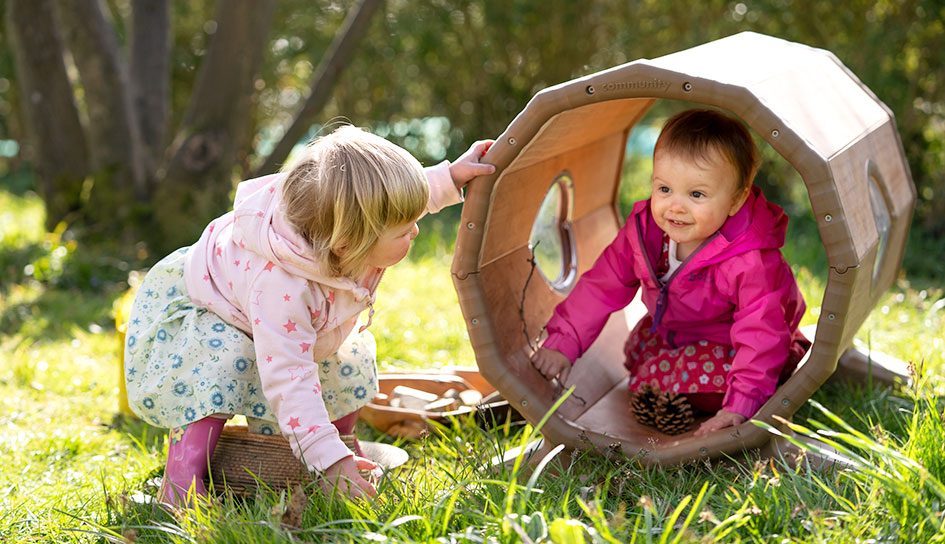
pixel 723 306
pixel 261 315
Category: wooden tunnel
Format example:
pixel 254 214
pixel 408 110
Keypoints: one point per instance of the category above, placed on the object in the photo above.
pixel 811 109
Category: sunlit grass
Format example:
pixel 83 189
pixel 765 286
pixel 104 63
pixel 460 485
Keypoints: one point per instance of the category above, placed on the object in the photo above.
pixel 72 471
pixel 21 219
pixel 910 322
pixel 418 321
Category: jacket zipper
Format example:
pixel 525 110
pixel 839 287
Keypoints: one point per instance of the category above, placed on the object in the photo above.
pixel 664 285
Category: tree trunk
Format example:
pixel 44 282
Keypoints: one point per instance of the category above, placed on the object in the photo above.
pixel 150 79
pixel 199 178
pixel 323 81
pixel 57 143
pixel 112 129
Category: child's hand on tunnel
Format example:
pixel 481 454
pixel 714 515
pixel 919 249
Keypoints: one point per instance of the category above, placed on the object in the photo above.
pixel 721 420
pixel 551 363
pixel 467 166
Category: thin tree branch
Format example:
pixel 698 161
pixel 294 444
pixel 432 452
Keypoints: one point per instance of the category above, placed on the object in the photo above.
pixel 559 387
pixel 323 81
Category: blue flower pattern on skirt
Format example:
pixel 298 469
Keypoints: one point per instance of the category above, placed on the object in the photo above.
pixel 240 364
pixel 184 363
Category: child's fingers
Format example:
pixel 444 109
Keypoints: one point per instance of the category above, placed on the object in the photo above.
pixel 364 463
pixel 471 170
pixel 711 424
pixel 357 485
pixel 549 367
pixel 482 147
pixel 344 478
pixel 334 485
pixel 563 375
pixel 542 365
pixel 361 488
pixel 470 159
pixel 353 486
pixel 719 421
pixel 481 168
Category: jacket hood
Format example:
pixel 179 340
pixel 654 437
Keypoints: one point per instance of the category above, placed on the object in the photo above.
pixel 759 224
pixel 276 240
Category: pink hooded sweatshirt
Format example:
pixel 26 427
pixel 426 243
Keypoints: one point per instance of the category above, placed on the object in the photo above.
pixel 256 272
pixel 736 289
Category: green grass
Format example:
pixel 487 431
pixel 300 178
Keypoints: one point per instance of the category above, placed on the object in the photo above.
pixel 74 472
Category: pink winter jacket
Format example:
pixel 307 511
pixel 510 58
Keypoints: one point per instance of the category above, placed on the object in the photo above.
pixel 254 271
pixel 736 289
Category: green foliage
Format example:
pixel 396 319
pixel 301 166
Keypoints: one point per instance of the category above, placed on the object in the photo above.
pixel 434 76
pixel 43 277
pixel 478 63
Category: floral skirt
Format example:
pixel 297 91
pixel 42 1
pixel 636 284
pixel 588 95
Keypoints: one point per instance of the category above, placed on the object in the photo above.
pixel 696 370
pixel 693 368
pixel 184 363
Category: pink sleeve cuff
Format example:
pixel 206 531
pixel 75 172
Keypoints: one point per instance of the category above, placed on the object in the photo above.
pixel 568 347
pixel 321 453
pixel 741 404
pixel 443 191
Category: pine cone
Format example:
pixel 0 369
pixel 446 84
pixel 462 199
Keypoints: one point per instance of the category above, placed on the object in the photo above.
pixel 673 413
pixel 643 405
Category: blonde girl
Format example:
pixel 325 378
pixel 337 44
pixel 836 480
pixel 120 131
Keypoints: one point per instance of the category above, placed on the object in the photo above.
pixel 261 315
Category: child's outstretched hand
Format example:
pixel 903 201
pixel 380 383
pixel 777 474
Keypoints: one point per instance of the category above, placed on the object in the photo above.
pixel 345 478
pixel 467 166
pixel 551 363
pixel 721 419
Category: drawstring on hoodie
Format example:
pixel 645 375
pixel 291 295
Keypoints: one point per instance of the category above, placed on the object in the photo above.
pixel 370 315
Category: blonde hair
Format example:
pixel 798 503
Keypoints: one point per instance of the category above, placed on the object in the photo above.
pixel 345 190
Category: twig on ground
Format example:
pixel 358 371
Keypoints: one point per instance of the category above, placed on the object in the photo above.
pixel 559 387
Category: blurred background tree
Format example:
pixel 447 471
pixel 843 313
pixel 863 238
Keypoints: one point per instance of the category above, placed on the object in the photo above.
pixel 242 77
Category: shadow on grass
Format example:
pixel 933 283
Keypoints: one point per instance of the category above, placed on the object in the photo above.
pixel 54 314
pixel 150 438
pixel 18 182
pixel 48 288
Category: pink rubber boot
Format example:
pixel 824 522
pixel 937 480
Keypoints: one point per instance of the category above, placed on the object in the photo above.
pixel 345 426
pixel 189 451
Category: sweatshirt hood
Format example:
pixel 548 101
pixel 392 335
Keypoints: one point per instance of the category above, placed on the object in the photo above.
pixel 259 226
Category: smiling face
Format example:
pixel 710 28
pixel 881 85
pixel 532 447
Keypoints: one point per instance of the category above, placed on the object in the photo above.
pixel 392 246
pixel 691 199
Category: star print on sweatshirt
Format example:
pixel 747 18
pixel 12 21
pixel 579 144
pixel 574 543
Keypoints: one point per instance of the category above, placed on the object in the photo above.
pixel 252 269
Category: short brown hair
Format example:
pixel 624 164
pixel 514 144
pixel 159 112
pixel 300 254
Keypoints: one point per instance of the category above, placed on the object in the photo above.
pixel 699 133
